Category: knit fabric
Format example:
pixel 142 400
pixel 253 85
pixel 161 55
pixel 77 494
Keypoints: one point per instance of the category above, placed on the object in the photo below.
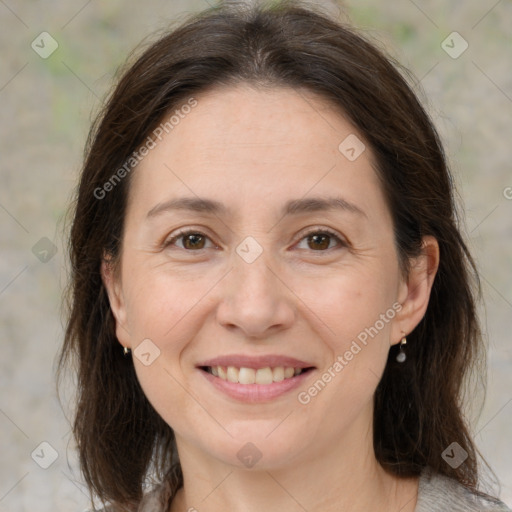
pixel 436 493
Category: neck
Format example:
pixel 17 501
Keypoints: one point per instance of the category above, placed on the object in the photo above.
pixel 331 479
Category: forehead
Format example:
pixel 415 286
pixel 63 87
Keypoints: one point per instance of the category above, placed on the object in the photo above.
pixel 249 118
pixel 241 144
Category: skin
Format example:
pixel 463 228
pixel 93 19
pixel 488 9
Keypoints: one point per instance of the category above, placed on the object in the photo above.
pixel 253 150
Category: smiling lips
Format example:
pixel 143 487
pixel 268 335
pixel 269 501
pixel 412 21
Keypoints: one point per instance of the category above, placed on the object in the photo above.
pixel 263 370
pixel 245 375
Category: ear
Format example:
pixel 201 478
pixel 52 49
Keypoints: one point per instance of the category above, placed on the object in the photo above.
pixel 414 292
pixel 117 303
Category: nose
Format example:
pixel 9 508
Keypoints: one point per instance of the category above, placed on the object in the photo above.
pixel 255 299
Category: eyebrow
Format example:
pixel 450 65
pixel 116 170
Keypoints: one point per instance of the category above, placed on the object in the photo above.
pixel 291 207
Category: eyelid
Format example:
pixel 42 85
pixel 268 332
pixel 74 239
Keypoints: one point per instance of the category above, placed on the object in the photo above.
pixel 309 231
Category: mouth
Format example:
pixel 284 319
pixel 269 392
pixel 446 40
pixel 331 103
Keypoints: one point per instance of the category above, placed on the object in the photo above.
pixel 262 376
pixel 255 379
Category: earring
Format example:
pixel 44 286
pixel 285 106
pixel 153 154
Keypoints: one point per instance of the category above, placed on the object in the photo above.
pixel 126 351
pixel 401 356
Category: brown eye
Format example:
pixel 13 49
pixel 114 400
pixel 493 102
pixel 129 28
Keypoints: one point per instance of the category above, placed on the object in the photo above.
pixel 191 240
pixel 320 241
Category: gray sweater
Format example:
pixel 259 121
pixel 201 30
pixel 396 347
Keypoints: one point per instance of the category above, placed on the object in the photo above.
pixel 436 493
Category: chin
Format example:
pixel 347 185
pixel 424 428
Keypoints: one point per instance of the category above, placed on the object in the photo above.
pixel 256 450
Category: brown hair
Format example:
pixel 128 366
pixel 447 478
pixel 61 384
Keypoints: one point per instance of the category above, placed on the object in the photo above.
pixel 418 405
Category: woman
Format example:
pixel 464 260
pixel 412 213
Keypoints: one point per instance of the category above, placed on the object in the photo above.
pixel 272 307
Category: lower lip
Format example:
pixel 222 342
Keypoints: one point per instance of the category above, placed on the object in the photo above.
pixel 255 393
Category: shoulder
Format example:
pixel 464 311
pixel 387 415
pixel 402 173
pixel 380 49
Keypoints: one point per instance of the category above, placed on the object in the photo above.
pixel 440 493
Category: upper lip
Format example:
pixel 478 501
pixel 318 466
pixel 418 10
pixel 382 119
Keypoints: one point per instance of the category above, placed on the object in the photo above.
pixel 245 361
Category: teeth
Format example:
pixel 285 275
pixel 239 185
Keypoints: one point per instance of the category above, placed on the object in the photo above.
pixel 244 375
pixel 278 374
pixel 289 372
pixel 264 376
pixel 247 376
pixel 232 374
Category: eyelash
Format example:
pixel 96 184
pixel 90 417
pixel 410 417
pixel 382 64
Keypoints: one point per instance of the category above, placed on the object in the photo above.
pixel 314 231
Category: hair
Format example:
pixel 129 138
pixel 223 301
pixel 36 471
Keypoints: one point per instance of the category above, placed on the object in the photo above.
pixel 418 405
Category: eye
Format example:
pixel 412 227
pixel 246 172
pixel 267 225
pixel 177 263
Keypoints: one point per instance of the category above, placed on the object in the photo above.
pixel 319 240
pixel 192 240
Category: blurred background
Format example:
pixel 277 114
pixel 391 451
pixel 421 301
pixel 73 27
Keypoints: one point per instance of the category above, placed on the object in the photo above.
pixel 58 59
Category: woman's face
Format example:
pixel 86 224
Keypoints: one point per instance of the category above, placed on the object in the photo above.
pixel 258 284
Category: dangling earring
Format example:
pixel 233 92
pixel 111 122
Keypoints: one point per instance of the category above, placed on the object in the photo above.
pixel 401 356
pixel 126 351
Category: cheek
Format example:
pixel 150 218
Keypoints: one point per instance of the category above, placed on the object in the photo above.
pixel 356 309
pixel 358 348
pixel 163 387
pixel 163 308
pixel 161 304
pixel 351 302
